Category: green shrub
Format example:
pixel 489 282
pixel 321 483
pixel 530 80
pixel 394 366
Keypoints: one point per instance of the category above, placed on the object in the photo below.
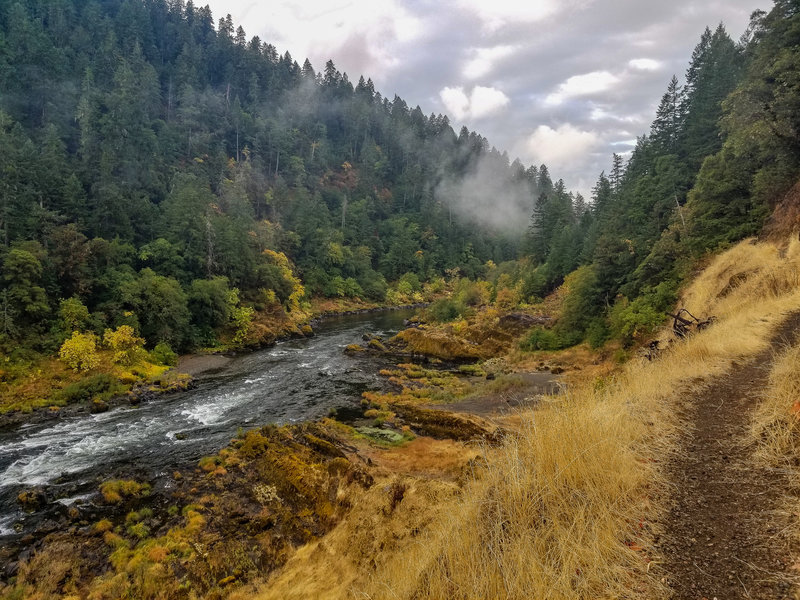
pixel 634 320
pixel 409 283
pixel 445 309
pixel 86 389
pixel 540 339
pixel 534 285
pixel 597 333
pixel 73 314
pixel 549 339
pixel 374 286
pixel 164 355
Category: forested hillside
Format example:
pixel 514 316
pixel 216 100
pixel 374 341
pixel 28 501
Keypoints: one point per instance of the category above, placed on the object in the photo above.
pixel 722 151
pixel 163 171
pixel 153 161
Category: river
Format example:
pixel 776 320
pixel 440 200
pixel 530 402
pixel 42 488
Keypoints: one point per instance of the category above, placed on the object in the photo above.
pixel 293 381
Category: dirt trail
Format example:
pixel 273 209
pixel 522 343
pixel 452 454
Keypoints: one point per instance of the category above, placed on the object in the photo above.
pixel 723 537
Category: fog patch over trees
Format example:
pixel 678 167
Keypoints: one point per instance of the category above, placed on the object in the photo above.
pixel 485 194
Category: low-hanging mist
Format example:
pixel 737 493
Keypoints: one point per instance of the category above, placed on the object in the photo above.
pixel 485 195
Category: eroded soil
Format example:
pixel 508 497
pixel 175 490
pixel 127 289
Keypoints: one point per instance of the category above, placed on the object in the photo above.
pixel 724 535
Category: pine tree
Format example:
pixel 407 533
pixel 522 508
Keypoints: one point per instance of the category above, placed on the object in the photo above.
pixel 666 129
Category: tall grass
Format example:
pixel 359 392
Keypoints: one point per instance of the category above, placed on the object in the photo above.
pixel 564 508
pixel 775 437
pixel 775 431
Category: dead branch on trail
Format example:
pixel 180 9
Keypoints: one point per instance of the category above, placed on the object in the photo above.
pixel 685 323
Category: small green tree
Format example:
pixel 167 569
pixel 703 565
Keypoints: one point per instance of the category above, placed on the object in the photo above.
pixel 241 316
pixel 80 351
pixel 73 313
pixel 163 354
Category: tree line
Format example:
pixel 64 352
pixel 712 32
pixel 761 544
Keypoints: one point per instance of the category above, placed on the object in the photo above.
pixel 154 161
pixel 723 149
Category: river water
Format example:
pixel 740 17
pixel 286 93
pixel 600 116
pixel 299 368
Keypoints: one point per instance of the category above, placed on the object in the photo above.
pixel 294 381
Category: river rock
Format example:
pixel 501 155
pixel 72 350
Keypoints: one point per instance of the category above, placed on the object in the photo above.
pixel 98 406
pixel 11 569
pixel 385 435
pixel 32 499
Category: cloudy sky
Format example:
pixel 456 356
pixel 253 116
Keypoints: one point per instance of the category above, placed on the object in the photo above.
pixel 564 82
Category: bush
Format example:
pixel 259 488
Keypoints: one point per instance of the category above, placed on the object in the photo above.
pixel 352 289
pixel 473 293
pixel 445 310
pixel 637 319
pixel 374 286
pixel 534 286
pixel 597 333
pixel 85 389
pixel 409 283
pixel 164 355
pixel 633 320
pixel 549 339
pixel 540 339
pixel 80 351
pixel 241 317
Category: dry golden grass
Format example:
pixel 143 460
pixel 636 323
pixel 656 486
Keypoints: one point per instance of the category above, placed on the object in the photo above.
pixel 563 508
pixel 775 436
pixel 776 422
pixel 744 277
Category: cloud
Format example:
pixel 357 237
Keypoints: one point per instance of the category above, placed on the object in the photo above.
pixel 644 64
pixel 560 147
pixel 497 13
pixel 484 195
pixel 483 59
pixel 582 85
pixel 364 35
pixel 482 102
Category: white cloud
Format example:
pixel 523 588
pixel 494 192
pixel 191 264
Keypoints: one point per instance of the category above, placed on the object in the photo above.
pixel 600 114
pixel 455 101
pixel 644 64
pixel 486 101
pixel 565 146
pixel 582 85
pixel 481 102
pixel 361 36
pixel 497 13
pixel 483 59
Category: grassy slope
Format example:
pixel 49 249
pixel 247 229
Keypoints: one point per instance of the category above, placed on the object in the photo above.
pixel 563 509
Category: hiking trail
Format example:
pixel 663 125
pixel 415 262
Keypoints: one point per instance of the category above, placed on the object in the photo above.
pixel 723 536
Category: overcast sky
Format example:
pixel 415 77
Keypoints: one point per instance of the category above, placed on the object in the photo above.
pixel 564 82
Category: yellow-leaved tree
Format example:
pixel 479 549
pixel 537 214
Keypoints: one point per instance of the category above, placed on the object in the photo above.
pixel 80 351
pixel 298 291
pixel 127 346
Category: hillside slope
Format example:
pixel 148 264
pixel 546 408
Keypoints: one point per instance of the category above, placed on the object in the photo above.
pixel 571 505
